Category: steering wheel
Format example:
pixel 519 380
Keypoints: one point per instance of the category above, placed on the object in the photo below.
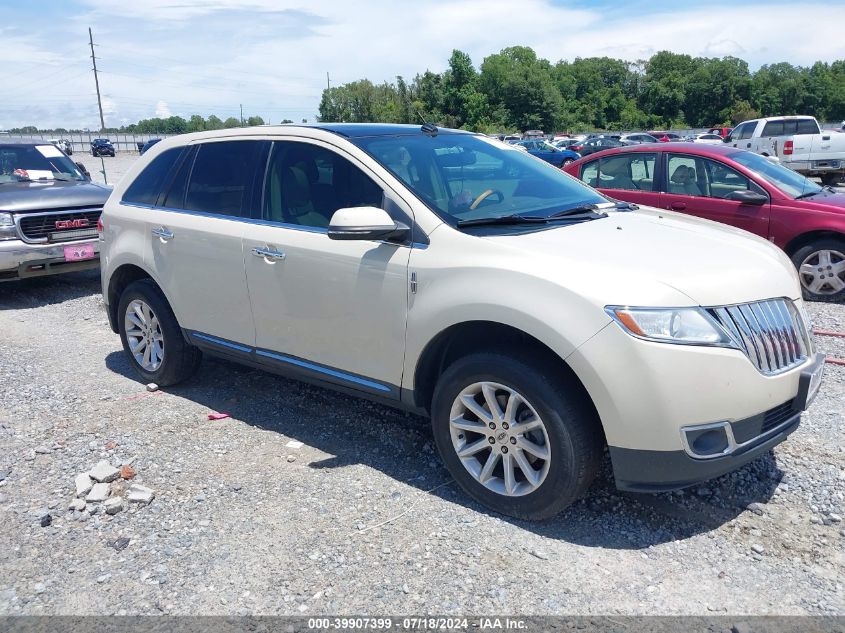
pixel 484 195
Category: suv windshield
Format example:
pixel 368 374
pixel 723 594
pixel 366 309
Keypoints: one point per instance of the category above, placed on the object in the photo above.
pixel 788 181
pixel 467 177
pixel 35 162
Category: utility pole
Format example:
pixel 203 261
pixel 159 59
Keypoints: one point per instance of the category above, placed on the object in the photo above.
pixel 328 81
pixel 96 81
pixel 242 115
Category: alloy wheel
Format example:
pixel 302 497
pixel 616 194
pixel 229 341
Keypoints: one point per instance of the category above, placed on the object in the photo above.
pixel 823 272
pixel 144 335
pixel 500 439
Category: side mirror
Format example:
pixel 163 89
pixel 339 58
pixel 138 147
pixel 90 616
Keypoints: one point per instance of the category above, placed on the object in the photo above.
pixel 366 223
pixel 746 196
pixel 727 139
pixel 84 170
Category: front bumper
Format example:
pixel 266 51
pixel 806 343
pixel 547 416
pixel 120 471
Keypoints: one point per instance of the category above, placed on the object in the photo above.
pixel 655 471
pixel 651 397
pixel 19 260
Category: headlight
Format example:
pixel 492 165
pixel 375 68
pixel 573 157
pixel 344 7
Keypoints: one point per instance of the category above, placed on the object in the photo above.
pixel 686 326
pixel 7 227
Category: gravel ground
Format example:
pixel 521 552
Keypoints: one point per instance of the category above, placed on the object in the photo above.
pixel 361 518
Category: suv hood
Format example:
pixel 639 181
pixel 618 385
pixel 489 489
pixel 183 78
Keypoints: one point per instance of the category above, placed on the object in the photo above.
pixel 651 257
pixel 24 197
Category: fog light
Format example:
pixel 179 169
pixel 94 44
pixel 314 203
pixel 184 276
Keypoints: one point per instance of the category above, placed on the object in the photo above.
pixel 708 440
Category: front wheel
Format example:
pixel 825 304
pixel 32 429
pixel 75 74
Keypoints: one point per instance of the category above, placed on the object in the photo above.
pixel 514 436
pixel 821 269
pixel 151 336
pixel 566 161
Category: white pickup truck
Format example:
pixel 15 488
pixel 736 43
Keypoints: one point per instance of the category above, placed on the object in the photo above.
pixel 797 141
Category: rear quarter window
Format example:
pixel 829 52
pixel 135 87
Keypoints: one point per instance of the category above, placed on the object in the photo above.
pixel 147 185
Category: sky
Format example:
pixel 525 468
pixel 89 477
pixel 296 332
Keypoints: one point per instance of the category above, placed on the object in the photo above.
pixel 184 57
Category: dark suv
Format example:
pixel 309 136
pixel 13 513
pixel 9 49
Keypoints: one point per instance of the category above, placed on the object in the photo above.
pixel 49 210
pixel 102 147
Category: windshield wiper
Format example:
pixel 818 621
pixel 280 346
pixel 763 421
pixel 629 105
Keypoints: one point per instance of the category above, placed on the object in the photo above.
pixel 503 219
pixel 576 214
pixel 808 194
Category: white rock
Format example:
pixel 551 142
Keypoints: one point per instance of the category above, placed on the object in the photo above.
pixel 99 492
pixel 83 484
pixel 113 505
pixel 151 386
pixel 77 504
pixel 104 472
pixel 140 494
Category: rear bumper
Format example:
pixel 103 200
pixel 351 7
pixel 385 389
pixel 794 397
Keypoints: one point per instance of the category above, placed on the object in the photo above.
pixel 815 166
pixel 19 260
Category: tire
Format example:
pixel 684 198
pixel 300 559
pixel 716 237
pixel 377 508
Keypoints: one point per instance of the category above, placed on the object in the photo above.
pixel 569 432
pixel 822 262
pixel 179 359
pixel 566 161
pixel 831 179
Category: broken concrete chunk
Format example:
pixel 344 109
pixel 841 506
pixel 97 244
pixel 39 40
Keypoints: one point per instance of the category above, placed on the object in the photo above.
pixel 83 484
pixel 113 505
pixel 140 494
pixel 99 492
pixel 104 472
pixel 76 504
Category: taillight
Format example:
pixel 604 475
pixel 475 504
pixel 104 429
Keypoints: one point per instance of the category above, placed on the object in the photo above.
pixel 100 225
pixel 787 148
pixel 576 148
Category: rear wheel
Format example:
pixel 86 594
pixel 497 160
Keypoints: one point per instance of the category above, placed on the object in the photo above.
pixel 152 337
pixel 831 179
pixel 566 161
pixel 821 268
pixel 513 436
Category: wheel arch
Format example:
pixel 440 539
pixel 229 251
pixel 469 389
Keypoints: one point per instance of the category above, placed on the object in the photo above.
pixel 467 337
pixel 119 280
pixel 804 239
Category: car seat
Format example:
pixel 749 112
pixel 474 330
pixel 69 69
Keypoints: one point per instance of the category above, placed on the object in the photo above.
pixel 683 182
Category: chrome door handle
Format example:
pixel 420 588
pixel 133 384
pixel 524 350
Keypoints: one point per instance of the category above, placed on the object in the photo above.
pixel 162 233
pixel 268 253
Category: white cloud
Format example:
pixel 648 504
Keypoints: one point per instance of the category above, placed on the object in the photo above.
pixel 211 56
pixel 163 110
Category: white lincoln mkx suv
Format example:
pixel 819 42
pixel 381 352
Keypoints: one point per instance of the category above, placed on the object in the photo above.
pixel 533 319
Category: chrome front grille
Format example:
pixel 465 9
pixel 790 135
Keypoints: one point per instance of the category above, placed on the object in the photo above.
pixel 37 228
pixel 771 333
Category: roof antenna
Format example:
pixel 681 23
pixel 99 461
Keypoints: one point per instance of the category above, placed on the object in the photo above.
pixel 429 129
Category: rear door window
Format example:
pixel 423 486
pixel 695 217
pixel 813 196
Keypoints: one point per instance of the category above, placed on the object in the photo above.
pixel 633 172
pixel 223 177
pixel 147 186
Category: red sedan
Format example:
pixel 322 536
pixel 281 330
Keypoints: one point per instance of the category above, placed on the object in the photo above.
pixel 735 187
